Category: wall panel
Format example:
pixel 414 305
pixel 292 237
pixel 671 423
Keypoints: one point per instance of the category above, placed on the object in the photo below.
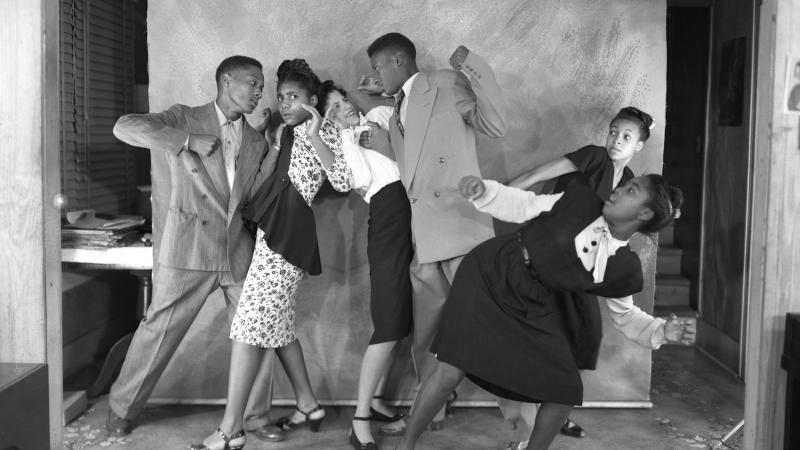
pixel 566 68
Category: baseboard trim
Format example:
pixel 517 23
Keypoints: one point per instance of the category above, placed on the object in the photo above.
pixel 406 403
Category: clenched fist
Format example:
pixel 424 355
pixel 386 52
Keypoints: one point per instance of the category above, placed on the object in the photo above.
pixel 471 187
pixel 458 57
pixel 204 144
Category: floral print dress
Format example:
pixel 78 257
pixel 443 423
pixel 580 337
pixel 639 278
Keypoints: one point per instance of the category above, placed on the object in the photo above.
pixel 265 315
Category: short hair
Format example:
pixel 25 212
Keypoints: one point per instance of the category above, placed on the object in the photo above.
pixel 393 41
pixel 235 62
pixel 644 120
pixel 325 89
pixel 664 200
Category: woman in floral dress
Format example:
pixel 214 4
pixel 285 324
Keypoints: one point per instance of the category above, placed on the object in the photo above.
pixel 307 153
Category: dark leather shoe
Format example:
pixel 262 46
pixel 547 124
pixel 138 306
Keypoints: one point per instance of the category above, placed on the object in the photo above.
pixel 117 426
pixel 269 433
pixel 572 429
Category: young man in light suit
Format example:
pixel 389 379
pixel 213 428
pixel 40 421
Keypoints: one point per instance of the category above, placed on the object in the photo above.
pixel 206 162
pixel 432 137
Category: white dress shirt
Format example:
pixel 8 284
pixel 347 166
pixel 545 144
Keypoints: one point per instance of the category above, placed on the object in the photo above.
pixel 231 136
pixel 593 245
pixel 406 90
pixel 371 171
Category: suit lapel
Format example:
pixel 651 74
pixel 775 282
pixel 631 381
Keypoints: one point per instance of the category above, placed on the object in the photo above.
pixel 418 114
pixel 215 163
pixel 250 154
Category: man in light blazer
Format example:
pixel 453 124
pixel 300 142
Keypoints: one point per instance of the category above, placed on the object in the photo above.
pixel 432 137
pixel 206 160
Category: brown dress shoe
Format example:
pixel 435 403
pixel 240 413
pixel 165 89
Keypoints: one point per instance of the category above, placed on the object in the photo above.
pixel 117 426
pixel 269 433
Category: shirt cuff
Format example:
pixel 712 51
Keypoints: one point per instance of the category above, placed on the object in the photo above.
pixel 492 188
pixel 658 338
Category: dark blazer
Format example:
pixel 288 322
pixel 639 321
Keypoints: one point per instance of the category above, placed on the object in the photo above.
pixel 203 228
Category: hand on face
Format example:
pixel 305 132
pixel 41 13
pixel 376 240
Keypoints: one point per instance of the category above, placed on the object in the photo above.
pixel 266 122
pixel 680 331
pixel 458 57
pixel 369 84
pixel 471 187
pixel 315 122
pixel 204 144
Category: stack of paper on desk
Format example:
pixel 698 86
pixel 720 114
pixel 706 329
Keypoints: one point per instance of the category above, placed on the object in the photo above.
pixel 85 230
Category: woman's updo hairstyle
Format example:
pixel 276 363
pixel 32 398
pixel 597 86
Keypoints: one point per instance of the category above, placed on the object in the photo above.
pixel 298 71
pixel 325 89
pixel 636 115
pixel 665 202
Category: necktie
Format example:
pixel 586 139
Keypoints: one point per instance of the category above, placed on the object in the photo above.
pixel 602 255
pixel 230 146
pixel 397 105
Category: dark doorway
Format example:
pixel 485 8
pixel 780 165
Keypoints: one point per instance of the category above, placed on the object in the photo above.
pixel 685 134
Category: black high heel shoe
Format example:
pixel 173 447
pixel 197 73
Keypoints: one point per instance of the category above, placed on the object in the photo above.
pixel 239 435
pixel 286 424
pixel 449 409
pixel 358 445
pixel 378 416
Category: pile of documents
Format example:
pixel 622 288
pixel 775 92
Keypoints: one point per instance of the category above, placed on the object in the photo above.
pixel 86 230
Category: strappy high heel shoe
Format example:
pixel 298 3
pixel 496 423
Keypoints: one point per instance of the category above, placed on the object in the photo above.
pixel 235 441
pixel 357 444
pixel 378 416
pixel 286 424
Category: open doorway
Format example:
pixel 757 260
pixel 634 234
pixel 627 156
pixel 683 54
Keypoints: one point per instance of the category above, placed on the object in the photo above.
pixel 684 142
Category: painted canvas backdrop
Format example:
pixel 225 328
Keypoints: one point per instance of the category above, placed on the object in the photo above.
pixel 566 67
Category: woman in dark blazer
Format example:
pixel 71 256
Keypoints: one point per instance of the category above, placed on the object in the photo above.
pixel 503 325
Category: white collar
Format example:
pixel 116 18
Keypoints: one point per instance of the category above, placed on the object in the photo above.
pixel 613 243
pixel 607 246
pixel 407 85
pixel 237 124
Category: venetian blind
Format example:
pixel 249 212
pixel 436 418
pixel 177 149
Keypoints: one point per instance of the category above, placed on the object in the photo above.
pixel 97 73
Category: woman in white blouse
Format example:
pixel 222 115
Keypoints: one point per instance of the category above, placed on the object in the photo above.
pixel 376 178
pixel 503 326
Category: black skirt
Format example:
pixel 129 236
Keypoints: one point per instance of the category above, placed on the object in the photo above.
pixel 506 329
pixel 389 251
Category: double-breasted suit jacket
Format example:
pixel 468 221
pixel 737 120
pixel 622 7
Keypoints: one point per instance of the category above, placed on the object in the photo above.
pixel 438 148
pixel 203 228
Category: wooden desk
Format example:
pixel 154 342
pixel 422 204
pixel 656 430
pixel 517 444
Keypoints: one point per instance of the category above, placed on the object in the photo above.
pixel 138 259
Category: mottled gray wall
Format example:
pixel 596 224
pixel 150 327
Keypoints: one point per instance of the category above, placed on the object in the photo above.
pixel 566 67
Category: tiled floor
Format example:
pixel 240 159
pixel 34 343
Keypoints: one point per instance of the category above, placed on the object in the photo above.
pixel 695 401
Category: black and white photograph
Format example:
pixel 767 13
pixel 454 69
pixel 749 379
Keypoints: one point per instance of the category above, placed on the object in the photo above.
pixel 399 225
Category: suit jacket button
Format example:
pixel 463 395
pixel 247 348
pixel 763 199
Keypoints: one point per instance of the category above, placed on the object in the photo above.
pixel 413 200
pixel 194 169
pixel 441 159
pixel 204 196
pixel 203 222
pixel 283 180
pixel 437 194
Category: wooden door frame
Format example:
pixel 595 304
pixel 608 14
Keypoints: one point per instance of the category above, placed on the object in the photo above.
pixel 51 173
pixel 771 240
